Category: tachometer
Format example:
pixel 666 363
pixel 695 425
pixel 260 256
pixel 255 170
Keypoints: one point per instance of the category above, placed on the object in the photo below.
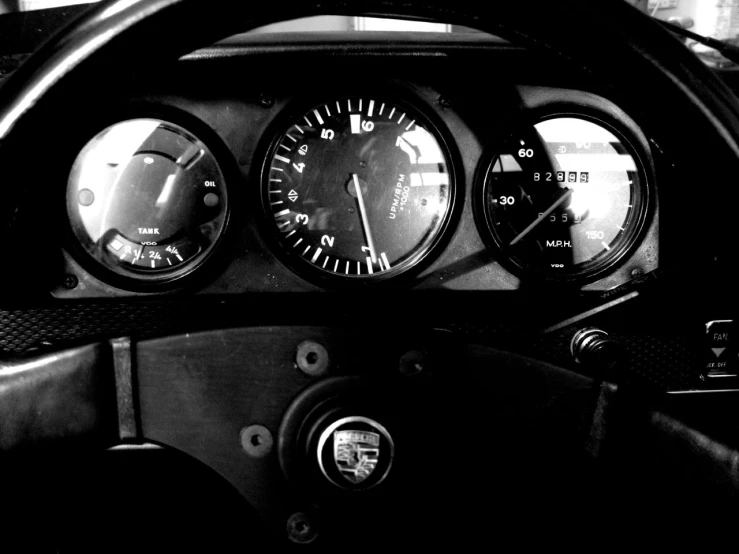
pixel 358 189
pixel 565 198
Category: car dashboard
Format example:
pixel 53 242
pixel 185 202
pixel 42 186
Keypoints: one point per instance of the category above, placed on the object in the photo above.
pixel 503 273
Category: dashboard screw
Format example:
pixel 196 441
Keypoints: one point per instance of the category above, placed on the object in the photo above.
pixel 312 358
pixel 256 440
pixel 266 100
pixel 444 102
pixel 71 282
pixel 412 363
pixel 300 529
pixel 637 272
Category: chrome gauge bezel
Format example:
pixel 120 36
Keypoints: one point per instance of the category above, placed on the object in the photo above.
pixel 192 272
pixel 398 275
pixel 642 196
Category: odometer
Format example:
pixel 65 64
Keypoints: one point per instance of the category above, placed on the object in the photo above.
pixel 565 198
pixel 358 189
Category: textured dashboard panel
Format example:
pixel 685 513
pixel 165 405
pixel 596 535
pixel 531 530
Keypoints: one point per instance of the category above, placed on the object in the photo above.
pixel 21 330
pixel 667 362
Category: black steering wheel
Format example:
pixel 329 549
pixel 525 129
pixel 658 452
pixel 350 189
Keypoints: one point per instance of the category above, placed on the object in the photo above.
pixel 486 443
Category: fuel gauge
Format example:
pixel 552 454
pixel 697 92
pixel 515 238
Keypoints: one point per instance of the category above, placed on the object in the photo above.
pixel 147 200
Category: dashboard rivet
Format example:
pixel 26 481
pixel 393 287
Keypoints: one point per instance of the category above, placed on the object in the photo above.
pixel 444 102
pixel 312 358
pixel 412 363
pixel 266 101
pixel 300 529
pixel 256 440
pixel 637 272
pixel 71 282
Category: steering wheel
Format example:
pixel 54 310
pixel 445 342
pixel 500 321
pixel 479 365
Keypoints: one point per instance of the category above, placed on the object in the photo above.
pixel 494 435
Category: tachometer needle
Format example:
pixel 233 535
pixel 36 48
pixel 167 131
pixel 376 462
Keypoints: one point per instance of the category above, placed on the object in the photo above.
pixel 542 217
pixel 365 220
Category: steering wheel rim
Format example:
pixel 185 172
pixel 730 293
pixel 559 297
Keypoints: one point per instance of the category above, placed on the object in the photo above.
pixel 635 47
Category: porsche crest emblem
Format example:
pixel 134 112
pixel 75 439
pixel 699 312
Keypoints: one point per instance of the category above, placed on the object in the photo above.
pixel 356 454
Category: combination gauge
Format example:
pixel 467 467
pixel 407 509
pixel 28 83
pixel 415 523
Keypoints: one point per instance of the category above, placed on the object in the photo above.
pixel 147 202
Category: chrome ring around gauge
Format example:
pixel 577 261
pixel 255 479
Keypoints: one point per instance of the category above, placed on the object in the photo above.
pixel 357 189
pixel 147 201
pixel 565 198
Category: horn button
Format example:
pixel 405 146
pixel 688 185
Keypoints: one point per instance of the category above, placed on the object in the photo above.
pixel 355 452
pixel 337 438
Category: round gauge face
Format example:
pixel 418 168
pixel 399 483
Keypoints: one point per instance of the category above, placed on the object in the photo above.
pixel 358 189
pixel 565 198
pixel 147 200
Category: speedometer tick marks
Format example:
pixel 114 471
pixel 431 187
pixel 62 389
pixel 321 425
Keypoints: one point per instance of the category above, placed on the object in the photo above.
pixel 299 129
pixel 299 241
pixel 318 117
pixel 291 233
pixel 307 122
pixel 371 108
pixel 382 108
pixel 410 125
pixel 315 256
pixel 324 263
pixel 402 117
pixel 292 138
pixel 391 113
pixel 306 250
pixel 282 158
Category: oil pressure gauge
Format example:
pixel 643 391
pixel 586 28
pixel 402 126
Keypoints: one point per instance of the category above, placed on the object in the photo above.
pixel 147 201
pixel 565 198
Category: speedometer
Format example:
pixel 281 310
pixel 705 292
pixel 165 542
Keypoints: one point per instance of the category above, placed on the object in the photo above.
pixel 358 189
pixel 565 198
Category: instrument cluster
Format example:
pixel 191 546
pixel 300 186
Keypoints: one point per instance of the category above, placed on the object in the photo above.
pixel 357 189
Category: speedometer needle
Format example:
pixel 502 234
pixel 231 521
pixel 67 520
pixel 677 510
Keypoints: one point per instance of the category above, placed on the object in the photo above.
pixel 365 220
pixel 542 217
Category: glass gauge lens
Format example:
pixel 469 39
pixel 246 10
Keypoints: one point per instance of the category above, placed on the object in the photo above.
pixel 358 188
pixel 147 200
pixel 565 198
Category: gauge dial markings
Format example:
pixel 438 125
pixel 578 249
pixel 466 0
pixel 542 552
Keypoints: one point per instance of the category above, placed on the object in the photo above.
pixel 316 216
